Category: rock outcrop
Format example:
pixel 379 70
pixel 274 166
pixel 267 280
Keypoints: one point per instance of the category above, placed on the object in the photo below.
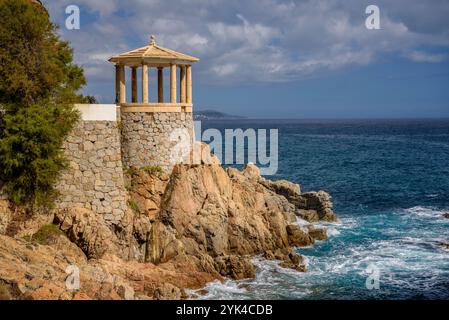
pixel 202 222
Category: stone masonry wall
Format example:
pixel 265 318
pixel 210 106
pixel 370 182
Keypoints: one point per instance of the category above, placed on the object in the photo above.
pixel 95 177
pixel 146 137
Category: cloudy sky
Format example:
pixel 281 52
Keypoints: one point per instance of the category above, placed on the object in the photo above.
pixel 280 59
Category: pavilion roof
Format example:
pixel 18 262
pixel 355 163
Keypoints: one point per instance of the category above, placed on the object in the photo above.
pixel 153 54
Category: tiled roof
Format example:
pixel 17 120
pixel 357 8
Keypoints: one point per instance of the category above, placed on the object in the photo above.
pixel 153 52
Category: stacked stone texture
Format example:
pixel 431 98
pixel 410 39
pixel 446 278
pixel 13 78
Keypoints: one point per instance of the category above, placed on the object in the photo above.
pixel 94 179
pixel 146 137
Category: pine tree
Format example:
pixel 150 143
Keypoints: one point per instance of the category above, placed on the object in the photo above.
pixel 38 86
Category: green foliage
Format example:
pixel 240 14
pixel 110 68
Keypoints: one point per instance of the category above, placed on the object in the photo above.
pixel 31 157
pixel 38 86
pixel 133 205
pixel 129 170
pixel 88 100
pixel 152 169
pixel 34 63
pixel 44 234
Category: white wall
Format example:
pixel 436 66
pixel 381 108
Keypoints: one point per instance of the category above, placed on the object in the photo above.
pixel 97 112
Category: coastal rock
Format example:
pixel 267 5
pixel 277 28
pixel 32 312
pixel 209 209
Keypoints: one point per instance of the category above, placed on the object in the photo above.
pixel 201 154
pixel 146 191
pixel 167 291
pixel 320 202
pixel 5 216
pixel 308 215
pixel 235 267
pixel 294 261
pixel 88 230
pixel 445 245
pixel 446 215
pixel 252 172
pixel 285 188
pixel 199 224
pixel 17 221
pixel 317 233
pixel 297 237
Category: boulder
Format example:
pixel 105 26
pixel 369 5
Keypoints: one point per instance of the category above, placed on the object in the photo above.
pixel 16 221
pixel 167 291
pixel 235 267
pixel 283 187
pixel 321 203
pixel 308 215
pixel 251 171
pixel 317 233
pixel 297 237
pixel 88 230
pixel 5 216
pixel 201 154
pixel 294 261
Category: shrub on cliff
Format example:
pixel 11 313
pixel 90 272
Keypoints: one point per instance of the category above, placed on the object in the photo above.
pixel 38 86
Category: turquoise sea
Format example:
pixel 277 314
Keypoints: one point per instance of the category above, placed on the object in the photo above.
pixel 389 180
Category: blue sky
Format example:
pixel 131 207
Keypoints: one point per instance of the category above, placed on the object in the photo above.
pixel 280 59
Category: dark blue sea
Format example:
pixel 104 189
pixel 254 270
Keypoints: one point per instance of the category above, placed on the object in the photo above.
pixel 389 180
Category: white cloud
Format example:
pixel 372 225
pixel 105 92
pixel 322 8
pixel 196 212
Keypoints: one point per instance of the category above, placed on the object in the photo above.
pixel 421 56
pixel 258 40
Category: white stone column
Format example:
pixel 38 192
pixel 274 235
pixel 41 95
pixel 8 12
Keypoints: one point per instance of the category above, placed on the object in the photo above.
pixel 173 98
pixel 189 84
pixel 134 84
pixel 122 84
pixel 182 84
pixel 160 85
pixel 145 98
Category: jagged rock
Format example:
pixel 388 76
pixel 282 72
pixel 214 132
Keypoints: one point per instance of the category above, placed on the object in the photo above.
pixel 317 233
pixel 142 228
pixel 297 237
pixel 290 259
pixel 283 187
pixel 201 154
pixel 319 202
pixel 251 171
pixel 5 216
pixel 16 221
pixel 125 291
pixel 88 230
pixel 167 291
pixel 201 223
pixel 308 215
pixel 147 190
pixel 446 215
pixel 445 245
pixel 235 267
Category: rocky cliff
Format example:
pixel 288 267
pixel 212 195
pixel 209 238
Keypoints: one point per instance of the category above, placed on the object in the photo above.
pixel 198 224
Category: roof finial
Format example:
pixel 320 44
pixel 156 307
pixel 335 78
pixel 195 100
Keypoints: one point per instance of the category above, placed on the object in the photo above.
pixel 152 39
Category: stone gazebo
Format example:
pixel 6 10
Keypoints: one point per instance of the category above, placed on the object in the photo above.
pixel 147 126
pixel 154 56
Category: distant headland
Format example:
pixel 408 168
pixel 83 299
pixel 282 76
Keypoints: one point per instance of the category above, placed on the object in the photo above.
pixel 214 115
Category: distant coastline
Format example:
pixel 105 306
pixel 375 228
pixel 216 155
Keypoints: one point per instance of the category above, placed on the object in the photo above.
pixel 214 115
